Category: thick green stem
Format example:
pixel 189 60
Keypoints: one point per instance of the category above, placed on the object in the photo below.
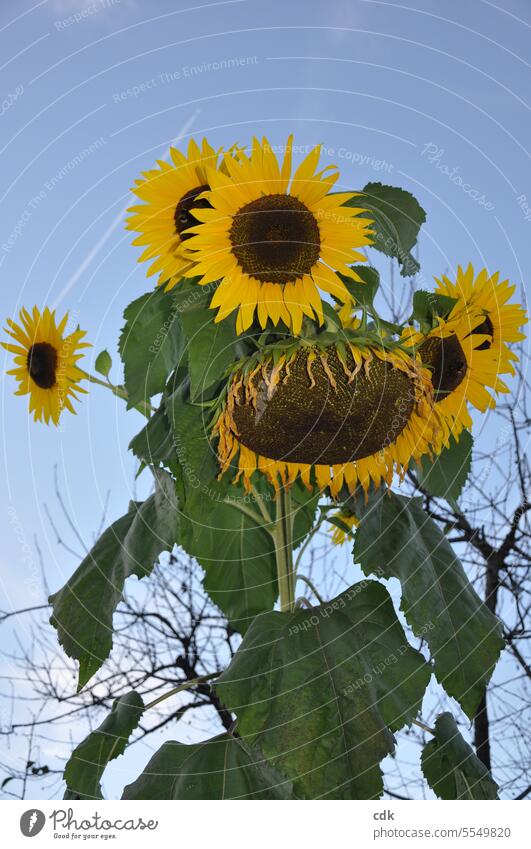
pixel 284 551
pixel 119 391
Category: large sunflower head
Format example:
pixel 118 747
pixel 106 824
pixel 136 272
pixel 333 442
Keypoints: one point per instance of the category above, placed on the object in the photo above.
pixel 343 415
pixel 45 362
pixel 464 366
pixel 171 193
pixel 490 296
pixel 276 239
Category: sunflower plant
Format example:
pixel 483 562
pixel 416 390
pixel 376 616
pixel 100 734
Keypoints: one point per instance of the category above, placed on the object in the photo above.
pixel 279 402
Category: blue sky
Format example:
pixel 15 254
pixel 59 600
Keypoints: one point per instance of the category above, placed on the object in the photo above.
pixel 92 92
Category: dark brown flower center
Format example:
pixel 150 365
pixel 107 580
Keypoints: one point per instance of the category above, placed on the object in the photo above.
pixel 447 361
pixel 486 327
pixel 301 423
pixel 184 217
pixel 275 239
pixel 42 363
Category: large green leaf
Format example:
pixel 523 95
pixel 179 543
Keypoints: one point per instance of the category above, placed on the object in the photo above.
pixel 210 346
pixel 221 768
pixel 237 554
pixel 446 475
pixel 190 426
pixel 83 609
pixel 87 762
pixel 151 344
pixel 220 524
pixel 397 539
pixel 319 691
pixel 153 445
pixel 397 217
pixel 451 767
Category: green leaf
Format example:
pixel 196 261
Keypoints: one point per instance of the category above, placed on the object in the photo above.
pixel 234 549
pixel 220 768
pixel 210 346
pixel 397 539
pixel 151 345
pixel 190 427
pixel 305 507
pixel 237 554
pixel 428 307
pixel 363 293
pixel 319 691
pixel 451 767
pixel 87 762
pixel 446 475
pixel 397 217
pixel 153 445
pixel 83 609
pixel 103 363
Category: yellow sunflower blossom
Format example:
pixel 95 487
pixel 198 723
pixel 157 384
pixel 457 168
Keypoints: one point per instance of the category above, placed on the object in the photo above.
pixel 274 239
pixel 171 194
pixel 340 535
pixel 464 369
pixel 490 295
pixel 348 318
pixel 46 362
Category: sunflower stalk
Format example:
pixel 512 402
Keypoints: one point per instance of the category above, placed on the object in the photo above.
pixel 144 407
pixel 283 538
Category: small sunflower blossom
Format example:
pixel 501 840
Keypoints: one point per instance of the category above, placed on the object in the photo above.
pixel 341 535
pixel 465 368
pixel 46 362
pixel 490 295
pixel 275 239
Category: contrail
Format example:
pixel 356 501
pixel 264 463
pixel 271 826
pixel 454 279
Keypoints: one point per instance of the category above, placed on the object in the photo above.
pixel 112 226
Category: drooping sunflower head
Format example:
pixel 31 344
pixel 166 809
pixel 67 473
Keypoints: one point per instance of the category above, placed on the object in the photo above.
pixel 490 296
pixel 276 239
pixel 340 416
pixel 465 367
pixel 46 362
pixel 171 193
